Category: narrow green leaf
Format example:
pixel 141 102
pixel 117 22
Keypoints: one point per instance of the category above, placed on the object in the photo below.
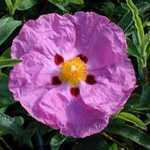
pixel 3 83
pixel 10 125
pixel 5 144
pixel 147 44
pixel 79 2
pixel 58 4
pixel 126 21
pixel 56 141
pixel 24 4
pixel 108 8
pixel 145 96
pixel 114 146
pixel 132 134
pixel 3 109
pixel 61 4
pixel 132 49
pixel 95 142
pixel 137 21
pixel 68 1
pixel 5 97
pixel 132 118
pixel 7 26
pixel 9 6
pixel 6 54
pixel 8 62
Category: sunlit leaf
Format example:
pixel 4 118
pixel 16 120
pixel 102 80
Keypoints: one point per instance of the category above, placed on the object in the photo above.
pixel 8 62
pixel 10 6
pixel 132 134
pixel 61 4
pixel 137 21
pixel 6 54
pixel 114 146
pixel 25 4
pixel 56 141
pixel 10 125
pixel 132 118
pixel 7 26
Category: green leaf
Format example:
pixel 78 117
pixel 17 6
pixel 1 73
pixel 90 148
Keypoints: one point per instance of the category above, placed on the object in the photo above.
pixel 132 134
pixel 95 142
pixel 126 21
pixel 132 118
pixel 6 54
pixel 5 97
pixel 79 2
pixel 108 9
pixel 137 21
pixel 56 141
pixel 114 146
pixel 67 1
pixel 145 96
pixel 147 44
pixel 10 125
pixel 3 109
pixel 8 62
pixel 132 49
pixel 24 4
pixel 7 26
pixel 61 4
pixel 10 6
pixel 3 84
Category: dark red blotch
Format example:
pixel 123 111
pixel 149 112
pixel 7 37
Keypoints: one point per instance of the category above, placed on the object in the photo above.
pixel 56 80
pixel 83 58
pixel 75 91
pixel 90 79
pixel 58 59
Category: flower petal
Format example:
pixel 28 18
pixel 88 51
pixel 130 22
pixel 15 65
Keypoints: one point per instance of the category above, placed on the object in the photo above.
pixel 49 34
pixel 72 116
pixel 31 79
pixel 98 39
pixel 114 86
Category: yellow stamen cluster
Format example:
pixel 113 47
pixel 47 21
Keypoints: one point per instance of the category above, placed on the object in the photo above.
pixel 73 71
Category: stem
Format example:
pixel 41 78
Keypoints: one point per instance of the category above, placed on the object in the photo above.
pixel 6 145
pixel 112 139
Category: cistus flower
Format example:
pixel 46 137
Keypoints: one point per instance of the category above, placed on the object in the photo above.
pixel 75 72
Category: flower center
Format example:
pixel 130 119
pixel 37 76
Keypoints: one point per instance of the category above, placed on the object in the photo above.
pixel 73 71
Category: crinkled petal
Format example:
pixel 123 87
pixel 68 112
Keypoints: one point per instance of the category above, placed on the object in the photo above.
pixel 49 34
pixel 71 115
pixel 31 79
pixel 114 85
pixel 98 39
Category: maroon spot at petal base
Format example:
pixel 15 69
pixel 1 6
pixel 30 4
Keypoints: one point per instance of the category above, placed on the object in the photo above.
pixel 90 79
pixel 83 58
pixel 75 91
pixel 58 59
pixel 56 80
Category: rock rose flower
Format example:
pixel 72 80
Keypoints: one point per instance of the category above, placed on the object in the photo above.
pixel 74 72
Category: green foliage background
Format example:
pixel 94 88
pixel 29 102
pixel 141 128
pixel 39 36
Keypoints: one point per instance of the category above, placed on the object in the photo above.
pixel 128 129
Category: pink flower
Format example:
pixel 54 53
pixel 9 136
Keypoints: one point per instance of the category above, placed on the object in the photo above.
pixel 75 72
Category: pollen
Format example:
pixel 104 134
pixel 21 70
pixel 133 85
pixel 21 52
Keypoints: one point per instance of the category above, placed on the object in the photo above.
pixel 73 71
